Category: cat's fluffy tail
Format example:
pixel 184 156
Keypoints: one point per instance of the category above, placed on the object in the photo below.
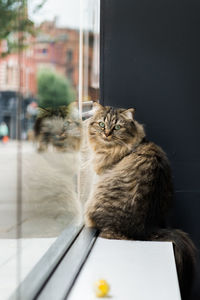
pixel 185 256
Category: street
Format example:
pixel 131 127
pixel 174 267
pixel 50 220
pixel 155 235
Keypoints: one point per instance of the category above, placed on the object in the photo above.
pixel 49 202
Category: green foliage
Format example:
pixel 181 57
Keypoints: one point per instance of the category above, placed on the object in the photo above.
pixel 15 24
pixel 53 89
pixel 8 17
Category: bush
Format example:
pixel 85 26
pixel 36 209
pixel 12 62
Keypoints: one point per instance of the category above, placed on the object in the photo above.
pixel 53 89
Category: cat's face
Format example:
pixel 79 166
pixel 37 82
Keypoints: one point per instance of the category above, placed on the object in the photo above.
pixel 58 130
pixel 62 132
pixel 110 127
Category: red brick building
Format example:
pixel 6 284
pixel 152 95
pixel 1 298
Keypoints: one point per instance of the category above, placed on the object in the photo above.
pixel 18 71
pixel 54 48
pixel 58 48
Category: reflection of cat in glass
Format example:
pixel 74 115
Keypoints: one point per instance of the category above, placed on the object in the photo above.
pixel 50 199
pixel 59 128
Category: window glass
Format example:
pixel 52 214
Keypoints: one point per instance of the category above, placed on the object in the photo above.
pixel 89 86
pixel 49 78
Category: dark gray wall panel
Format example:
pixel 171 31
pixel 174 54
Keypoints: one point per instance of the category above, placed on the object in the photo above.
pixel 150 60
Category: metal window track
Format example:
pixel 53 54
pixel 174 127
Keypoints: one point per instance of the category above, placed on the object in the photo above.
pixel 54 275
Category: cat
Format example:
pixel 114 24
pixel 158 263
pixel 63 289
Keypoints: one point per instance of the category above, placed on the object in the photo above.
pixel 49 173
pixel 134 191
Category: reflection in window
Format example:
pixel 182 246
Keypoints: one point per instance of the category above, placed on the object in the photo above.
pixel 91 29
pixel 70 72
pixel 43 71
pixel 69 56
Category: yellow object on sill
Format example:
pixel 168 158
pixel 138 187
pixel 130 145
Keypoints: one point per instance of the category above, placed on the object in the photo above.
pixel 101 288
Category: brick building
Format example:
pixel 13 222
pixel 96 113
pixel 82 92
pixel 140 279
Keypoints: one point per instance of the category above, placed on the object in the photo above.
pixel 18 71
pixel 53 47
pixel 58 48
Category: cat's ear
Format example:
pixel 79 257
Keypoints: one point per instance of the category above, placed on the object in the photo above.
pixel 42 109
pixel 42 112
pixel 129 113
pixel 97 106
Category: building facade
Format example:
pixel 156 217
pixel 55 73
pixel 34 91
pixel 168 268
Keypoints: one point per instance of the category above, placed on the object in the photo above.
pixel 58 49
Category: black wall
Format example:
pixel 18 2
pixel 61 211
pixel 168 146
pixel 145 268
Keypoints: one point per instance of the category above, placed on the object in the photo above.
pixel 150 60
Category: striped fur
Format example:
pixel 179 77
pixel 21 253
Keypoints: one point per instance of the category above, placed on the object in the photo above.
pixel 134 191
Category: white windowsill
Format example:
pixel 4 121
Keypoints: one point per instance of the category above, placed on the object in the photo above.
pixel 134 269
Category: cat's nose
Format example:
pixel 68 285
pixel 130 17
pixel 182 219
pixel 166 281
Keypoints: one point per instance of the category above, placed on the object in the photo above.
pixel 107 132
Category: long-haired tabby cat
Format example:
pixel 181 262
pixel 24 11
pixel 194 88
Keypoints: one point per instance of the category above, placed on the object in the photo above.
pixel 134 190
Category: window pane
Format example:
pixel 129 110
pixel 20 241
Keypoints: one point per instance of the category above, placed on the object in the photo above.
pixel 89 89
pixel 49 65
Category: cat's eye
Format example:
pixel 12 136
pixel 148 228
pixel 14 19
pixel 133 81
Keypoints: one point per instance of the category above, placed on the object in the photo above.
pixel 117 127
pixel 101 124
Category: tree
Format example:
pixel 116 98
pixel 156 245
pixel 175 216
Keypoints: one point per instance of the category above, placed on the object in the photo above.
pixel 53 89
pixel 15 24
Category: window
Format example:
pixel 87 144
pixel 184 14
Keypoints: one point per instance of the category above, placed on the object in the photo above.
pixel 41 188
pixel 69 56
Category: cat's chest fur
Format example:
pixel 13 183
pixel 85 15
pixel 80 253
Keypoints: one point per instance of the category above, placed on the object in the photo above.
pixel 140 162
pixel 104 160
